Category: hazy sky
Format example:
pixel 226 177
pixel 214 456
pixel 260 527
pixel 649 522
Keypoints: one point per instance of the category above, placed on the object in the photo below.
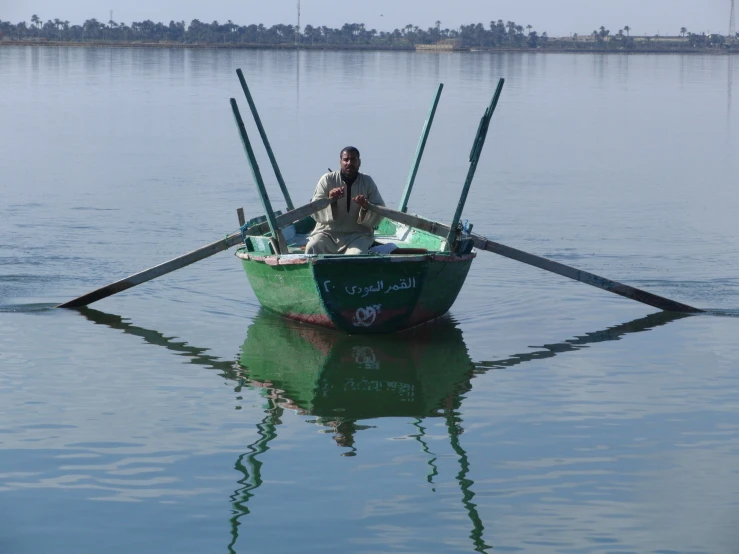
pixel 557 17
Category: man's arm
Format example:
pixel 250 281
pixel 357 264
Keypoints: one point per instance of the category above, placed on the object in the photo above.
pixel 323 190
pixel 367 218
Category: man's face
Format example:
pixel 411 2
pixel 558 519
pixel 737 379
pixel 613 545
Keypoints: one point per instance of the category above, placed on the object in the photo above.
pixel 350 163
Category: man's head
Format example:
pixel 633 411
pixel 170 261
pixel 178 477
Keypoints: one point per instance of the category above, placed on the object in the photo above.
pixel 350 162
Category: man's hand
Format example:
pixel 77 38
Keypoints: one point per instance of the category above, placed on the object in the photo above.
pixel 335 194
pixel 361 199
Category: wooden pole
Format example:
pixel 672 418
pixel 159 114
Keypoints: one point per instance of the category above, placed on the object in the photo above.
pixel 419 151
pixel 592 279
pixel 482 132
pixel 191 257
pixel 282 247
pixel 263 134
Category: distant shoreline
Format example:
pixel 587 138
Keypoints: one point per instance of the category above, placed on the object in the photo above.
pixel 362 47
pixel 206 46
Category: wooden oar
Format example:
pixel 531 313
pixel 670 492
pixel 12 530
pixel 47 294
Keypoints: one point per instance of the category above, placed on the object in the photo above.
pixel 196 255
pixel 482 243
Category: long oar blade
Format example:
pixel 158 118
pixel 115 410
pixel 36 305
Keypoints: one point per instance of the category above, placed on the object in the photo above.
pixel 154 272
pixel 192 257
pixel 542 263
pixel 584 277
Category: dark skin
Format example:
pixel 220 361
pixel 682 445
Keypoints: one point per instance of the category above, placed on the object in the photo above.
pixel 350 164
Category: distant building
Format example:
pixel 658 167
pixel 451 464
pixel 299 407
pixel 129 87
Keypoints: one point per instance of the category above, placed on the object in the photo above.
pixel 667 39
pixel 446 45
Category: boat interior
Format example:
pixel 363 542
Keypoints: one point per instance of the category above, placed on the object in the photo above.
pixel 408 240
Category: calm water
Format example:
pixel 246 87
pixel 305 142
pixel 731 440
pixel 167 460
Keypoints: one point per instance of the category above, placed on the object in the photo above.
pixel 541 416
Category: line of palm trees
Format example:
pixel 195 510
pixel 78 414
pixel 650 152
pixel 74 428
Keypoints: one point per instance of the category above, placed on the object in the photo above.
pixel 496 34
pixel 604 33
pixel 695 39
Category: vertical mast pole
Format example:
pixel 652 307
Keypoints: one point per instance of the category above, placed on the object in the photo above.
pixel 482 131
pixel 419 151
pixel 263 134
pixel 271 220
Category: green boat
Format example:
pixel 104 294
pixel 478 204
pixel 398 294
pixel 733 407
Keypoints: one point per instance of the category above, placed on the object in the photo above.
pixel 370 293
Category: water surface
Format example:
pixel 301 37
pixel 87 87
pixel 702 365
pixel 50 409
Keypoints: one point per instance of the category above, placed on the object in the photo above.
pixel 542 415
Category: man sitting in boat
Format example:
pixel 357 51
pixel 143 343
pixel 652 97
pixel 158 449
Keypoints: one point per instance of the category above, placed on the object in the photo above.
pixel 346 226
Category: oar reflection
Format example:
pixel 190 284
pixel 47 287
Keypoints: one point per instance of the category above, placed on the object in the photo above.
pixel 344 380
pixel 570 345
pixel 251 467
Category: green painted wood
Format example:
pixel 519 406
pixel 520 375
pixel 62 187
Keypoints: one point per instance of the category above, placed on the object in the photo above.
pixel 542 263
pixel 433 227
pixel 357 294
pixel 263 134
pixel 191 257
pixel 419 150
pixel 282 247
pixel 444 281
pixel 288 290
pixel 477 145
pixel 374 295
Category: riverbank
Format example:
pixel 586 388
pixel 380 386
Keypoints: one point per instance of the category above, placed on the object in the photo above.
pixel 370 47
pixel 207 46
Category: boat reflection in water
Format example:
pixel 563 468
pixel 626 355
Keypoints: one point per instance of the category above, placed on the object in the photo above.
pixel 344 380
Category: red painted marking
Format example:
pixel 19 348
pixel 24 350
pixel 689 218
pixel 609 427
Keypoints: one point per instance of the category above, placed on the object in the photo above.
pixel 453 259
pixel 279 260
pixel 383 317
pixel 313 319
pixel 275 260
pixel 293 261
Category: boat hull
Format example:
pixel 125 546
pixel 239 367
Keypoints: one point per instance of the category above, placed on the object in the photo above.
pixel 358 294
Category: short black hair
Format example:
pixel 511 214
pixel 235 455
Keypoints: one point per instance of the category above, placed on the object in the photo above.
pixel 350 150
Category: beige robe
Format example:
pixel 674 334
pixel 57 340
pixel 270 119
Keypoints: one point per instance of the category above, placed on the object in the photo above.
pixel 338 231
